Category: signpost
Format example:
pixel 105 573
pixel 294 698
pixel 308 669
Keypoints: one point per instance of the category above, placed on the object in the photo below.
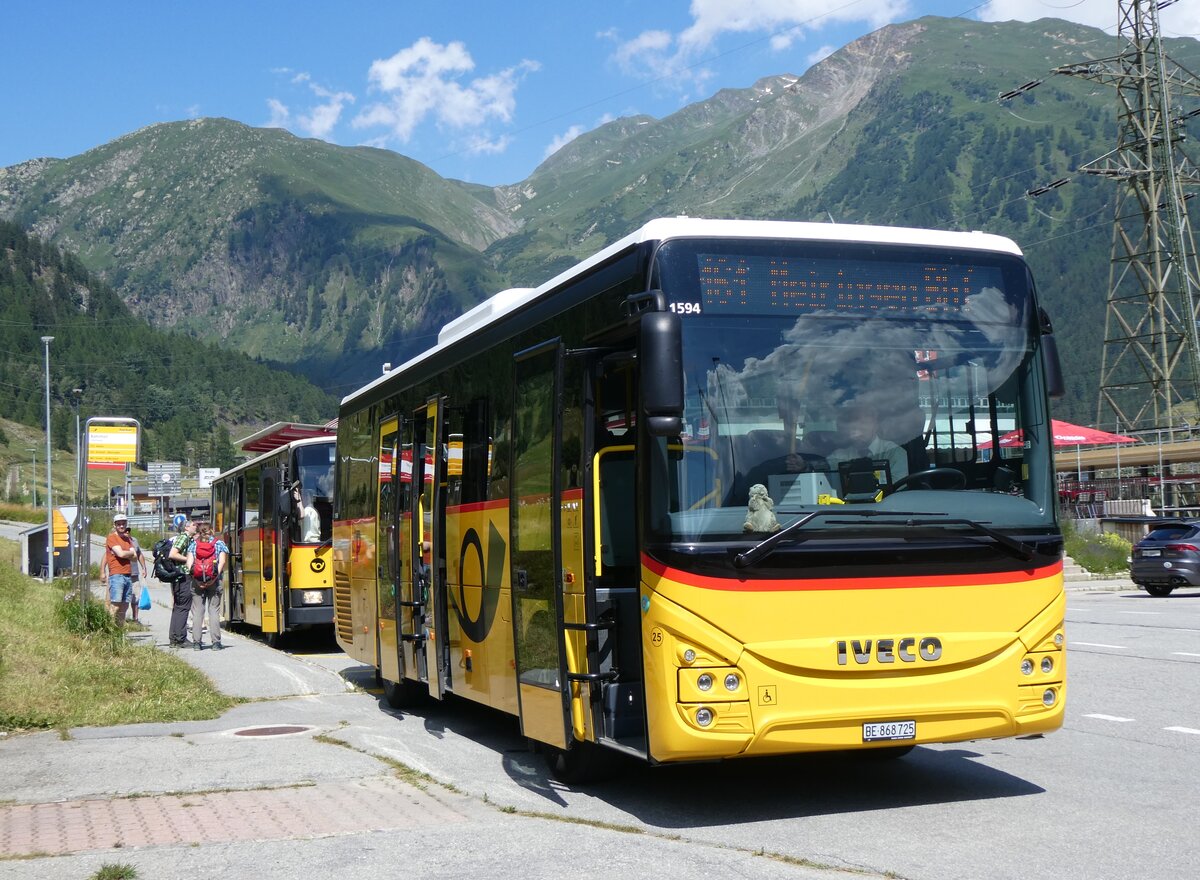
pixel 109 443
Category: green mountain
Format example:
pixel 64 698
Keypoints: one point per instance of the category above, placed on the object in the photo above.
pixel 293 250
pixel 333 260
pixel 186 393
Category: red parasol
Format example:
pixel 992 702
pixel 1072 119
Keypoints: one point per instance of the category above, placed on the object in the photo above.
pixel 1066 434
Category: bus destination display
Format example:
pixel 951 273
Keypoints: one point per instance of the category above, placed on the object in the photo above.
pixel 762 285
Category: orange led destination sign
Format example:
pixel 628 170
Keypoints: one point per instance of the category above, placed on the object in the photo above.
pixel 771 285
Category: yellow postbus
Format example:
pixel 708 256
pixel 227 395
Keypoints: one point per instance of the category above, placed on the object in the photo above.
pixel 724 489
pixel 280 574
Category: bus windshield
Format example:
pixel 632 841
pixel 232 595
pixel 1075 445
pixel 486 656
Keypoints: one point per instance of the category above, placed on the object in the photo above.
pixel 822 374
pixel 314 469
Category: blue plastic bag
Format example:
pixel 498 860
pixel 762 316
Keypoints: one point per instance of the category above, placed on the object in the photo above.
pixel 144 601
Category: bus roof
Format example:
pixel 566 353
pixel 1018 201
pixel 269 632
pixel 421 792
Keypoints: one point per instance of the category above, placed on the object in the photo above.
pixel 662 229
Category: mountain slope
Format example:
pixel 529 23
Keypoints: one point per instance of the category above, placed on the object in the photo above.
pixel 280 247
pixel 185 392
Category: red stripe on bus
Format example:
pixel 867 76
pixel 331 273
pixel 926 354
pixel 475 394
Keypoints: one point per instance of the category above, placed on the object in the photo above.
pixel 907 582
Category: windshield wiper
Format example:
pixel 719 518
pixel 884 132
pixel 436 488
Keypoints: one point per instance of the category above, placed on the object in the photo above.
pixel 748 557
pixel 1019 549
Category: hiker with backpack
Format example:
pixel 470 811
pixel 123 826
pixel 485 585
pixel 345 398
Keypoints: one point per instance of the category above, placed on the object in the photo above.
pixel 170 567
pixel 207 557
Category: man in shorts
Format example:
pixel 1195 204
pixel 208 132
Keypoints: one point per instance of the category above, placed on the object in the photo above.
pixel 119 561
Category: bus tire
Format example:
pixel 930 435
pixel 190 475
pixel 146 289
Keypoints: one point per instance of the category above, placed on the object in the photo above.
pixel 401 694
pixel 273 640
pixel 580 763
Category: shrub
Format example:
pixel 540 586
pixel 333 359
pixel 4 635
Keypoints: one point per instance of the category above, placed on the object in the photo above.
pixel 89 620
pixel 1106 553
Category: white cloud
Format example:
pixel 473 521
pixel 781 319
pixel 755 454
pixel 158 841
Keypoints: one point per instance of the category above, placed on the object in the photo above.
pixel 660 54
pixel 1179 19
pixel 320 119
pixel 820 55
pixel 481 144
pixel 281 117
pixel 425 82
pixel 562 140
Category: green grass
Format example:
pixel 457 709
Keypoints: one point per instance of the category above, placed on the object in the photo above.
pixel 1100 554
pixel 63 664
pixel 115 872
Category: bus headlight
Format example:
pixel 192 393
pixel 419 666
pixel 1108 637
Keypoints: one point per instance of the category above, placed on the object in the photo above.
pixel 1048 697
pixel 704 716
pixel 1047 665
pixel 312 597
pixel 704 682
pixel 1027 666
pixel 732 681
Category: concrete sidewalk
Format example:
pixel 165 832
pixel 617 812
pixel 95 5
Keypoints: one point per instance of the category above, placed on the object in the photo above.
pixel 310 777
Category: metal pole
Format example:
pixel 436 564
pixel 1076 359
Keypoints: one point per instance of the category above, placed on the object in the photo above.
pixel 46 340
pixel 1162 486
pixel 77 526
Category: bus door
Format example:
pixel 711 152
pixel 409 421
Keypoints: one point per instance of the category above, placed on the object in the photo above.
pixel 390 573
pixel 272 535
pixel 428 546
pixel 536 545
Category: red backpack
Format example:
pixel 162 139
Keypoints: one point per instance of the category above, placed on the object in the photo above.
pixel 204 566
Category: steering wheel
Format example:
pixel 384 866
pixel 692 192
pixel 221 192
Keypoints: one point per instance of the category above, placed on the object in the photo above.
pixel 949 478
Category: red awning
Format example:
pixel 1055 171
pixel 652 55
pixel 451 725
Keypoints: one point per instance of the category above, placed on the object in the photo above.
pixel 1066 434
pixel 276 435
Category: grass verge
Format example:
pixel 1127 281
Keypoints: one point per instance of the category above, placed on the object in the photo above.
pixel 1100 554
pixel 66 665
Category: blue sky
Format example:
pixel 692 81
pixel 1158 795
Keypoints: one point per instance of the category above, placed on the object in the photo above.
pixel 481 91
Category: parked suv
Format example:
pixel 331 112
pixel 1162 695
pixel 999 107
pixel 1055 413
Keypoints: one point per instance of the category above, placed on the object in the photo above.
pixel 1167 558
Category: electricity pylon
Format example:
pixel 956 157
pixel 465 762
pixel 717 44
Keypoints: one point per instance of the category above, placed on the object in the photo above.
pixel 1151 358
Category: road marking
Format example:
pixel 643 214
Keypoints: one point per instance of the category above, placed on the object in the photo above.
pixel 1151 613
pixel 1098 645
pixel 1183 654
pixel 1109 717
pixel 1184 730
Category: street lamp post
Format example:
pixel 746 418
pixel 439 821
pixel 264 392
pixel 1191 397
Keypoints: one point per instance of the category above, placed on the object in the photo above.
pixel 46 340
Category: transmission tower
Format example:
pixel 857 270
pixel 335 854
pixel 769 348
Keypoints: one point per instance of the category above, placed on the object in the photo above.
pixel 1151 358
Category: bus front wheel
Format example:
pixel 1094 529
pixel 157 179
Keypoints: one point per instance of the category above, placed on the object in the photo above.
pixel 580 763
pixel 401 694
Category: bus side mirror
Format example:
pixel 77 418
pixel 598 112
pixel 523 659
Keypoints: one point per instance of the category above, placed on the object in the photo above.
pixel 283 503
pixel 1056 388
pixel 660 361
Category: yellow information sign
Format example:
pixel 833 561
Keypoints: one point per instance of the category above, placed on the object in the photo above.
pixel 112 443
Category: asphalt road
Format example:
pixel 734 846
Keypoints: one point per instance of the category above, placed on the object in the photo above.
pixel 1111 795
